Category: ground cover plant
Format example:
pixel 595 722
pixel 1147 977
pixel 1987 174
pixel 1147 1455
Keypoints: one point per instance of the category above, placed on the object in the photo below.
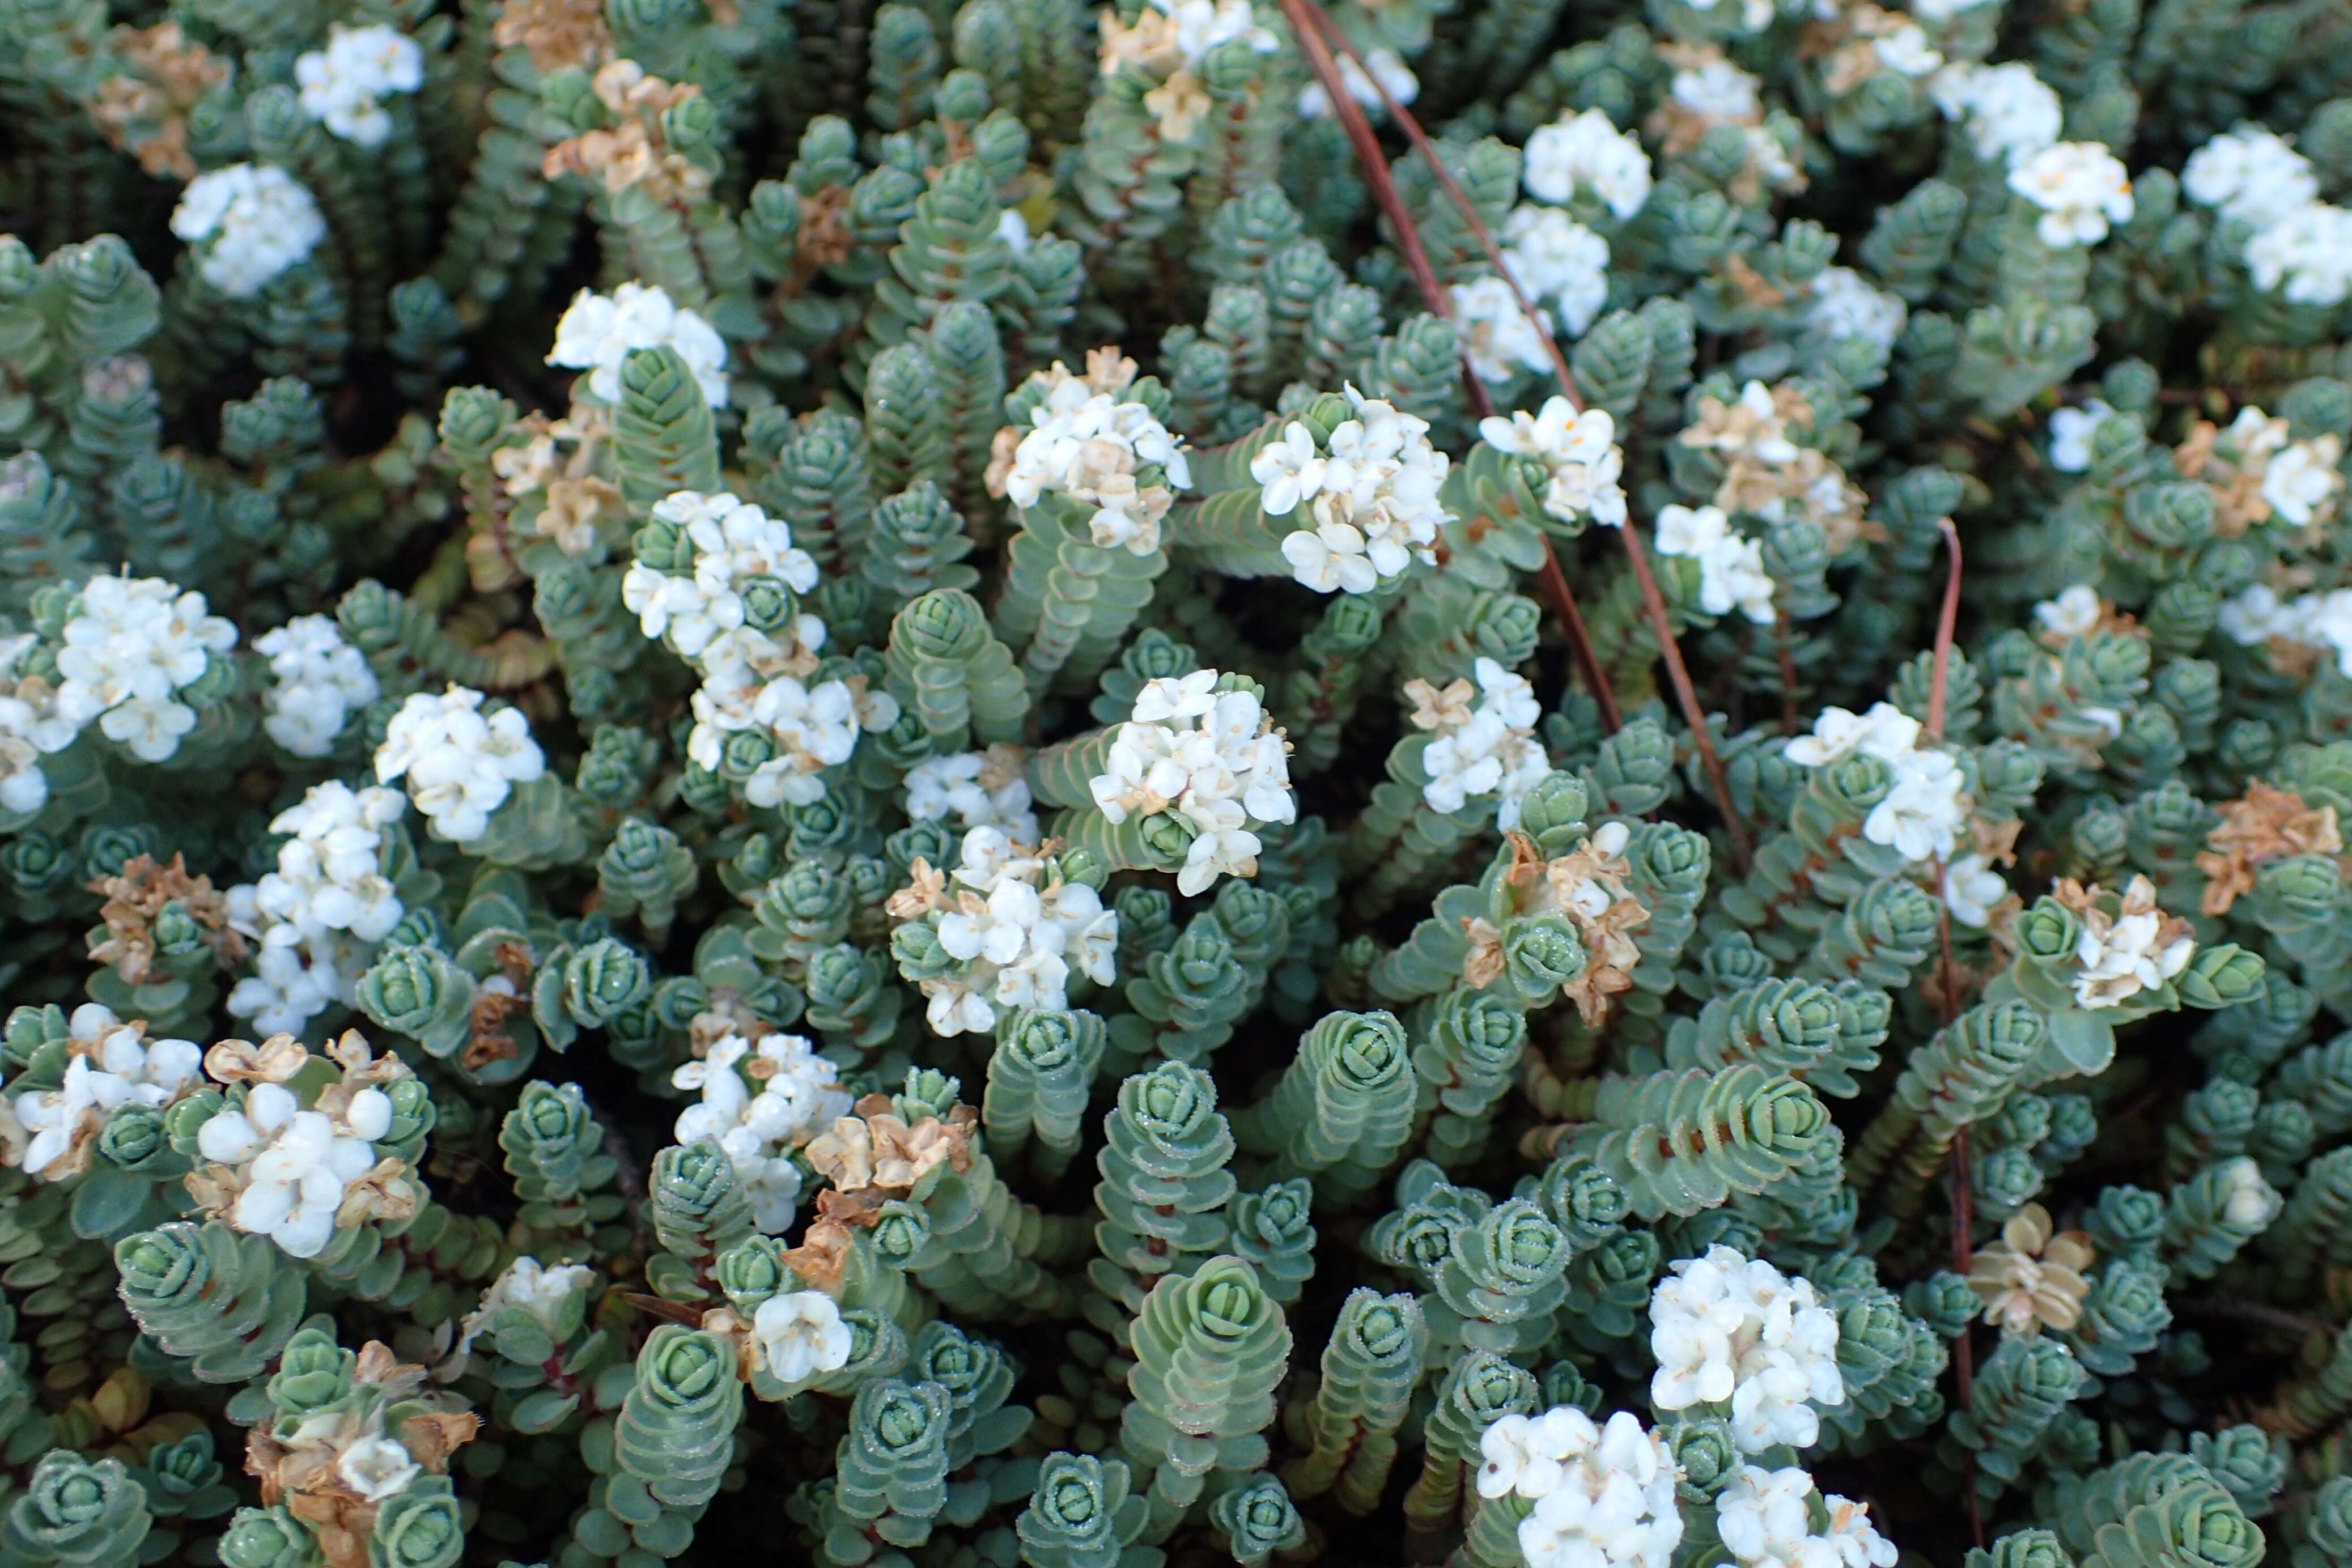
pixel 952 785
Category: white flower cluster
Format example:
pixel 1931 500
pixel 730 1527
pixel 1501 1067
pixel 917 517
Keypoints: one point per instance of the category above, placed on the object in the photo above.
pixel 109 1064
pixel 1370 493
pixel 752 679
pixel 1197 27
pixel 1489 750
pixel 1923 814
pixel 293 981
pixel 1730 1328
pixel 343 85
pixel 525 1287
pixel 1765 1520
pixel 799 1095
pixel 1604 1495
pixel 133 643
pixel 798 1335
pixel 1388 70
pixel 1087 442
pixel 1587 151
pixel 2080 188
pixel 31 727
pixel 700 612
pixel 979 788
pixel 813 727
pixel 2135 949
pixel 1731 574
pixel 1845 306
pixel 1498 339
pixel 1582 451
pixel 1210 758
pixel 1558 260
pixel 2300 247
pixel 2075 611
pixel 259 220
pixel 1710 91
pixel 1015 937
pixel 294 1165
pixel 2317 621
pixel 2010 114
pixel 2305 257
pixel 460 767
pixel 2249 173
pixel 327 878
pixel 1973 890
pixel 598 332
pixel 2299 479
pixel 320 679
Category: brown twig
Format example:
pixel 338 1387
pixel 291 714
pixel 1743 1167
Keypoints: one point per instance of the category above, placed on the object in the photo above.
pixel 1652 602
pixel 1963 1368
pixel 1947 619
pixel 1309 24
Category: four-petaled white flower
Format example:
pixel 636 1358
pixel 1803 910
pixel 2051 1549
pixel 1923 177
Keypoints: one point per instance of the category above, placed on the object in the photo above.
pixel 799 1334
pixel 2080 188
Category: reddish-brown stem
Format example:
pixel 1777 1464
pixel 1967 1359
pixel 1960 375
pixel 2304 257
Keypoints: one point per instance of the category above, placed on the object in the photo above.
pixel 1309 24
pixel 1946 619
pixel 1654 602
pixel 1964 1367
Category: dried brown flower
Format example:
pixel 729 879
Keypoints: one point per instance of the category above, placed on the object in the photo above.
pixel 137 896
pixel 2032 1280
pixel 2264 824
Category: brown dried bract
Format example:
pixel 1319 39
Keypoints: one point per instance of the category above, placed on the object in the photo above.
pixel 2265 824
pixel 925 893
pixel 144 111
pixel 875 1149
pixel 2030 1279
pixel 632 151
pixel 136 896
pixel 304 1470
pixel 560 33
pixel 275 1060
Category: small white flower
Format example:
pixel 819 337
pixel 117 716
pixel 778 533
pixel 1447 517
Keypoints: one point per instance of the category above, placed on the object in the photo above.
pixel 295 1163
pixel 319 680
pixel 2074 613
pixel 1885 732
pixel 342 85
pixel 799 1334
pixel 2069 435
pixel 459 766
pixel 376 1467
pixel 1728 1329
pixel 1731 567
pixel 1922 815
pixel 2304 255
pixel 2080 188
pixel 1588 151
pixel 1972 889
pixel 598 332
pixel 1845 306
pixel 1388 70
pixel 1554 258
pixel 2301 483
pixel 2249 173
pixel 251 221
pixel 2011 114
pixel 1500 338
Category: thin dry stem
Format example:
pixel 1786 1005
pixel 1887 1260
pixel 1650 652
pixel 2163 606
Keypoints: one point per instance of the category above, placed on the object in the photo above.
pixel 1375 173
pixel 1652 602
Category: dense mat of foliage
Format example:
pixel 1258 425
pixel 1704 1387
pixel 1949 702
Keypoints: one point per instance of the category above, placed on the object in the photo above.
pixel 948 785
